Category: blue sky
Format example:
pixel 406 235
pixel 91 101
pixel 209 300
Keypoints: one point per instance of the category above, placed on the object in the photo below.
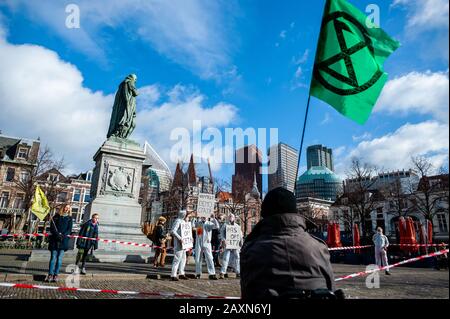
pixel 228 63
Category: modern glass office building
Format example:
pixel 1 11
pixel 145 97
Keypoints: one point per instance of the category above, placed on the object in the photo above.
pixel 282 166
pixel 319 155
pixel 318 182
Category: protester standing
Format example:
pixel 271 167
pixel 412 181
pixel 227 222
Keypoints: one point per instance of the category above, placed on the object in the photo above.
pixel 161 238
pixel 90 230
pixel 227 252
pixel 279 259
pixel 203 245
pixel 216 242
pixel 179 254
pixel 381 243
pixel 58 241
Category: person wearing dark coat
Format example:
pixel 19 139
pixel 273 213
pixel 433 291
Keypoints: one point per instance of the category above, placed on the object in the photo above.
pixel 58 241
pixel 161 237
pixel 279 259
pixel 88 229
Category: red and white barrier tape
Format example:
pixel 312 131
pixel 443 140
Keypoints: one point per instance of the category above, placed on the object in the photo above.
pixel 219 250
pixel 420 245
pixel 117 292
pixel 362 273
pixel 350 247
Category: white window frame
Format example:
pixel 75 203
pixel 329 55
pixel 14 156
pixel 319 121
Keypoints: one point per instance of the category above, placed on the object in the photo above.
pixel 19 152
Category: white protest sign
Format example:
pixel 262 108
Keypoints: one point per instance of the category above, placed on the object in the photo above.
pixel 187 241
pixel 205 205
pixel 233 237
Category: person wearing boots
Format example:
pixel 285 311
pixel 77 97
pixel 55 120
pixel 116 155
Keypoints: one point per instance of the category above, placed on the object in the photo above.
pixel 161 239
pixel 203 245
pixel 90 230
pixel 227 252
pixel 58 241
pixel 280 260
pixel 179 254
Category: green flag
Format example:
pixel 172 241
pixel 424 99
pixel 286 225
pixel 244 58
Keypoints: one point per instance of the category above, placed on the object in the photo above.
pixel 348 71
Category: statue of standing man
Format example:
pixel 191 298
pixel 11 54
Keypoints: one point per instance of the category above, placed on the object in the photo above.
pixel 123 117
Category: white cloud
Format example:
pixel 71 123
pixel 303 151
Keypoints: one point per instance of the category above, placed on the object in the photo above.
pixel 302 58
pixel 195 34
pixel 326 119
pixel 298 72
pixel 420 93
pixel 45 96
pixel 283 34
pixel 362 137
pixel 394 150
pixel 426 14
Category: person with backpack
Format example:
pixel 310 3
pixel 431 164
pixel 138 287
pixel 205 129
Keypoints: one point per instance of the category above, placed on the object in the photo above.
pixel 159 238
pixel 58 241
pixel 90 230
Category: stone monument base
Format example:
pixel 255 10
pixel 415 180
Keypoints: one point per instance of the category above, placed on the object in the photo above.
pixel 115 191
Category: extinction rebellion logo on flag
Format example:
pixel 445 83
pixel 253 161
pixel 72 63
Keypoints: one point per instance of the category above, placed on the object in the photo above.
pixel 348 69
pixel 361 50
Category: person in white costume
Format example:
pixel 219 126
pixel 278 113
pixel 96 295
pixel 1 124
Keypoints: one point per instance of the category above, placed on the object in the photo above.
pixel 179 254
pixel 228 252
pixel 381 243
pixel 204 229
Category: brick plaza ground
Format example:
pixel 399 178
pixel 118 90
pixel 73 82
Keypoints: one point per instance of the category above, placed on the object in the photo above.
pixel 405 282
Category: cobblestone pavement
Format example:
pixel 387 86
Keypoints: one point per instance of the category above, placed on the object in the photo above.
pixel 405 282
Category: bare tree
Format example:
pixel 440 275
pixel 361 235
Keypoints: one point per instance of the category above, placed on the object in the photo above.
pixel 429 193
pixel 359 192
pixel 45 161
pixel 397 196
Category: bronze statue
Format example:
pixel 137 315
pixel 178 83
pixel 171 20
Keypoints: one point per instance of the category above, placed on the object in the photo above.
pixel 123 117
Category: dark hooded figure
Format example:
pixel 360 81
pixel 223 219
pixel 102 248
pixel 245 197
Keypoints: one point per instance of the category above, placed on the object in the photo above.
pixel 123 117
pixel 279 259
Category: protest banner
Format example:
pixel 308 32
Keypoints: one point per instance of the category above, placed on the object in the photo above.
pixel 187 241
pixel 205 205
pixel 232 236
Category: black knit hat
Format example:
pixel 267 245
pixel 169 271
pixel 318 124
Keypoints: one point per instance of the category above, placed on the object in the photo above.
pixel 278 201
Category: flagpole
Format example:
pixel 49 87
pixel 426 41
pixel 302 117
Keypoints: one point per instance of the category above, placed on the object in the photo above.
pixel 327 4
pixel 302 139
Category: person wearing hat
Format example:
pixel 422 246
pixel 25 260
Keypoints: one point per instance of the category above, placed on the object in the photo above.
pixel 279 259
pixel 161 237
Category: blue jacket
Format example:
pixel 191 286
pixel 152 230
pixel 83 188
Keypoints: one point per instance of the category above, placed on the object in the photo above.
pixel 60 225
pixel 88 229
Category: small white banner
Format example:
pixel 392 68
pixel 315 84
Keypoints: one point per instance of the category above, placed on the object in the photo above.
pixel 233 237
pixel 187 241
pixel 205 205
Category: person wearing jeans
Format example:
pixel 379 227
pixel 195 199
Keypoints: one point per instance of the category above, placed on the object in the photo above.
pixel 58 241
pixel 90 230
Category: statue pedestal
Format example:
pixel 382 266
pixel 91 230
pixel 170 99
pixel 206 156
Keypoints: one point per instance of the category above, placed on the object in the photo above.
pixel 116 182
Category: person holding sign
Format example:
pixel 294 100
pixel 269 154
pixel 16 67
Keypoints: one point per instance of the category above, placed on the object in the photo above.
pixel 179 250
pixel 231 236
pixel 203 245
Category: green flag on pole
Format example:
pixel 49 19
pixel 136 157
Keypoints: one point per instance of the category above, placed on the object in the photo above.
pixel 348 70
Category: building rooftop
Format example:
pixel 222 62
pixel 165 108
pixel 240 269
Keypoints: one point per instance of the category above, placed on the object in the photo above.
pixel 318 172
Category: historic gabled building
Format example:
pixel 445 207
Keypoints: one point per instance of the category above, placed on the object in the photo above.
pixel 18 157
pixel 62 190
pixel 185 188
pixel 428 199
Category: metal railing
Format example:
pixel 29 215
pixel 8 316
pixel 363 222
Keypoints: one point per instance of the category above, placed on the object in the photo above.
pixel 12 211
